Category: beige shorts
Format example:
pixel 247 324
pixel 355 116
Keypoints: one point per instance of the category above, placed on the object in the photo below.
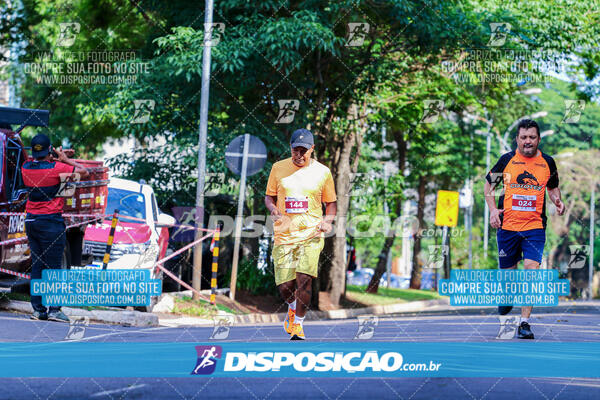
pixel 299 257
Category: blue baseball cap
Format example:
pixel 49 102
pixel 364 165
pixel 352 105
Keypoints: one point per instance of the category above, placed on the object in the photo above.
pixel 40 146
pixel 302 138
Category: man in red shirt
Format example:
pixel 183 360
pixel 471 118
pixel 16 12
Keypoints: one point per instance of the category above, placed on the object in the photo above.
pixel 44 224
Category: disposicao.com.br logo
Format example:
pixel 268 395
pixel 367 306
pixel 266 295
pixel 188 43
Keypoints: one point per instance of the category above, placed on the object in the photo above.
pixel 319 362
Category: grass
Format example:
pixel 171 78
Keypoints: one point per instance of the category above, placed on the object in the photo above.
pixel 16 296
pixel 388 295
pixel 198 308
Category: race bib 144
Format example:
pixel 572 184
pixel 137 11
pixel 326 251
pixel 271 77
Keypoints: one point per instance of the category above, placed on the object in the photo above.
pixel 296 205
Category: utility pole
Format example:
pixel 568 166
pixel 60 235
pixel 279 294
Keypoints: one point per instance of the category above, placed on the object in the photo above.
pixel 15 77
pixel 446 251
pixel 406 240
pixel 239 218
pixel 468 228
pixel 388 264
pixel 202 134
pixel 469 210
pixel 488 150
pixel 470 217
pixel 486 213
pixel 591 261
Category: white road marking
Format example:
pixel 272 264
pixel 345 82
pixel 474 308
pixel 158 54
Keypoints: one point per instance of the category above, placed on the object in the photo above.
pixel 112 332
pixel 115 391
pixel 119 333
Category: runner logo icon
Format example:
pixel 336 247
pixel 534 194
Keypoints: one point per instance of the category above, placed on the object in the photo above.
pixel 366 326
pixel 437 255
pixel 357 33
pixel 68 34
pixel 207 359
pixel 579 255
pixel 508 327
pixel 499 33
pixel 573 111
pixel 223 324
pixel 287 111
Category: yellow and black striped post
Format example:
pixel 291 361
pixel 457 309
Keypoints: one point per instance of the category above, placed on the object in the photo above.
pixel 109 242
pixel 215 265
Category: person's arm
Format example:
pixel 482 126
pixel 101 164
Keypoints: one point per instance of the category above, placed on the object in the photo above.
pixel 271 204
pixel 490 199
pixel 552 186
pixel 494 178
pixel 554 195
pixel 330 212
pixel 79 169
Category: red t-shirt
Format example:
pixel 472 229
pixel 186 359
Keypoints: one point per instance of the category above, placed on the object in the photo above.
pixel 43 180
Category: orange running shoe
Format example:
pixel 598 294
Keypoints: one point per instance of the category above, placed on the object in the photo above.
pixel 289 320
pixel 297 332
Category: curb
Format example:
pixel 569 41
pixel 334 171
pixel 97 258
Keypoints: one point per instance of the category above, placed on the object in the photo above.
pixel 125 318
pixel 427 306
pixel 398 308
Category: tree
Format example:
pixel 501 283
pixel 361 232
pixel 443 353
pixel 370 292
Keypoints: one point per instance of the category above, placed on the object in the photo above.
pixel 105 26
pixel 578 178
pixel 266 53
pixel 354 67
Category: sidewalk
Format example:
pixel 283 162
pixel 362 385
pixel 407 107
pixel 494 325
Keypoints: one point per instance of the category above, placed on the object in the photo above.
pixel 120 317
pixel 440 306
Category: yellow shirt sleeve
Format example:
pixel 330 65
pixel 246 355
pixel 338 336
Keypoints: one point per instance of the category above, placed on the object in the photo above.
pixel 328 194
pixel 272 183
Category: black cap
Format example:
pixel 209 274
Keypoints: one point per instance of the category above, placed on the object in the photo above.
pixel 302 138
pixel 40 146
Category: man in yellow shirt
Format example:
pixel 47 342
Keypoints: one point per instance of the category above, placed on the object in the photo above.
pixel 297 188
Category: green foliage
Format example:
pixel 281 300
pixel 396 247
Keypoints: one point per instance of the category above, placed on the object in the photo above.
pixel 254 280
pixel 272 50
pixel 388 295
pixel 169 170
pixel 580 135
pixel 198 308
pixel 108 25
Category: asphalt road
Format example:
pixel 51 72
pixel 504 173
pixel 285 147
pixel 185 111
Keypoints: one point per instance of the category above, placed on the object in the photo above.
pixel 581 325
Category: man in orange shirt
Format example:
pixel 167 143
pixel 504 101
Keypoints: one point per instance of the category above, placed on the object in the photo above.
pixel 297 188
pixel 520 216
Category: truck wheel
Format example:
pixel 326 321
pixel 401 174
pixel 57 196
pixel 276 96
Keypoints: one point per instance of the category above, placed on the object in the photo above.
pixel 65 262
pixel 22 285
pixel 153 299
pixel 179 275
pixel 170 285
pixel 153 302
pixel 75 243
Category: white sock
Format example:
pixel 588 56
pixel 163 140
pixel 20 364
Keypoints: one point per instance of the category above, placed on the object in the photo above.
pixel 299 320
pixel 292 305
pixel 523 319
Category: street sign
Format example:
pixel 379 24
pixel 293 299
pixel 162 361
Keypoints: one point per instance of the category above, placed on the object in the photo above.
pixel 245 156
pixel 257 155
pixel 446 209
pixel 465 199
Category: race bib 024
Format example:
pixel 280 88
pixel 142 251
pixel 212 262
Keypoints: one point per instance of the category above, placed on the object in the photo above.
pixel 522 202
pixel 296 205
